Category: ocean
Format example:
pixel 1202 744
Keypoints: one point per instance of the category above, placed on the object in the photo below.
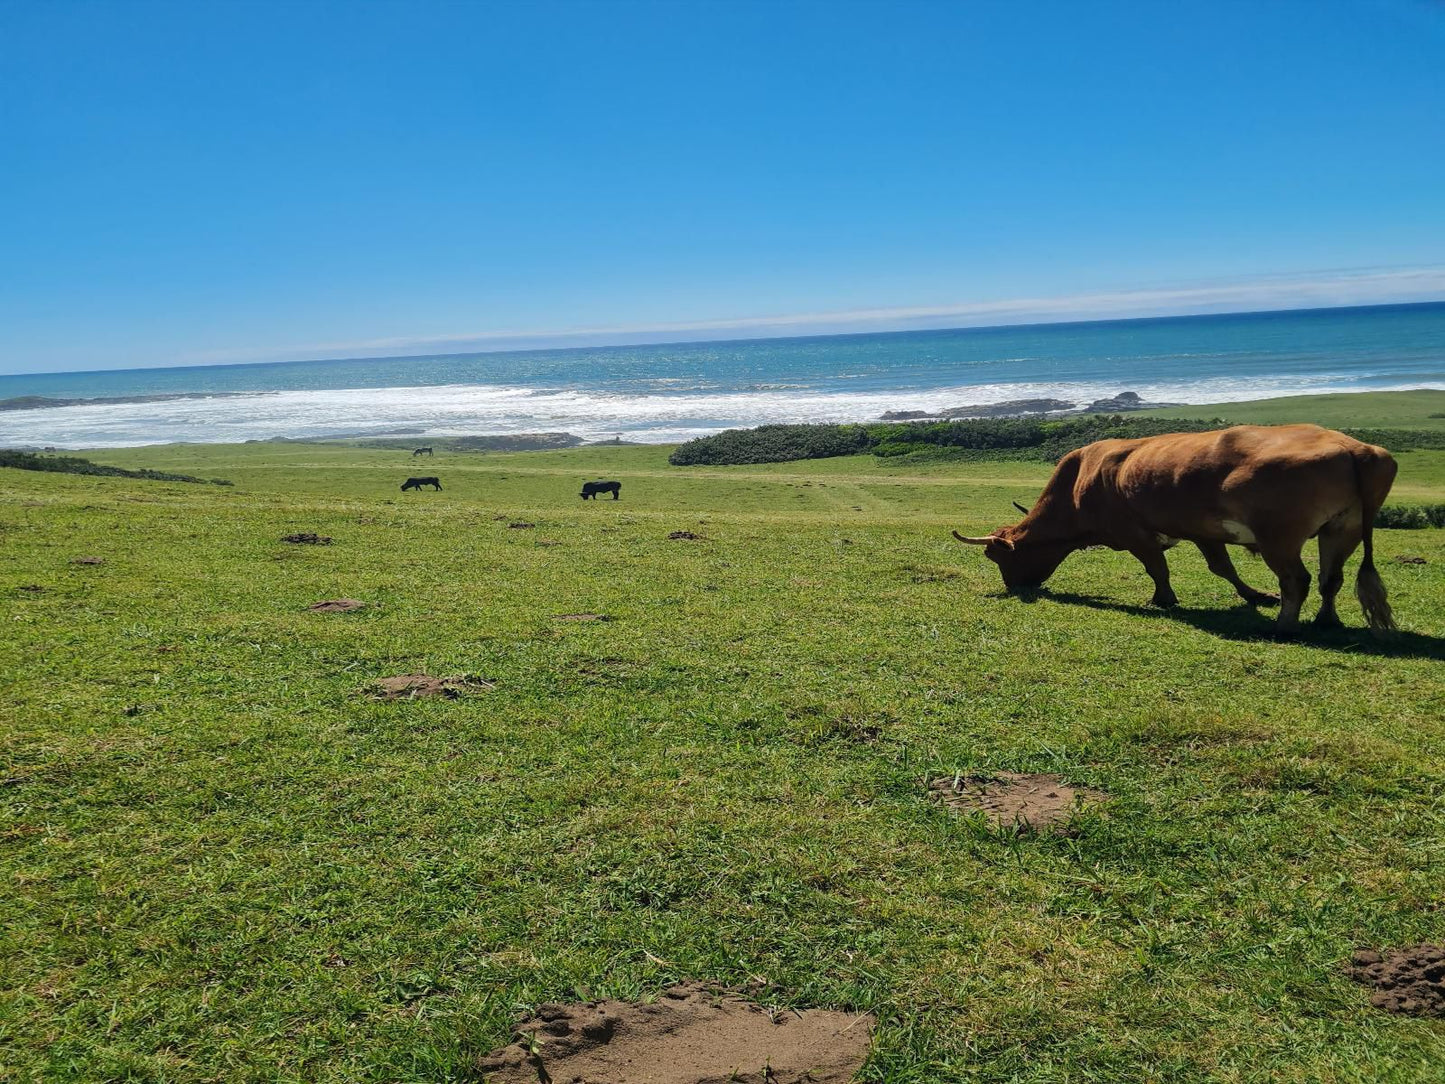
pixel 671 392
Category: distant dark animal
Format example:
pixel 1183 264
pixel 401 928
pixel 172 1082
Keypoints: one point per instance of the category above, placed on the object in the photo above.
pixel 417 483
pixel 591 489
pixel 1268 488
pixel 421 451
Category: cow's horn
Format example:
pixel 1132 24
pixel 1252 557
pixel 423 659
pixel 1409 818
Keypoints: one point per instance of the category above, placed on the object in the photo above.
pixel 1020 507
pixel 973 541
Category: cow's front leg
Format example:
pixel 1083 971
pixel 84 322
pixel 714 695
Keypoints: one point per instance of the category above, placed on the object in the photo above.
pixel 1152 558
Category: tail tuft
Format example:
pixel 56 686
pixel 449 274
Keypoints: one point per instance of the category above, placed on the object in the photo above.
pixel 1370 590
pixel 1374 473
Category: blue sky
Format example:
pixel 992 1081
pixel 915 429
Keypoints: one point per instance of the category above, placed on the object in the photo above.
pixel 194 182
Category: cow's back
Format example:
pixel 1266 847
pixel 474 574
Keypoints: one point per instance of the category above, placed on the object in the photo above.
pixel 1186 484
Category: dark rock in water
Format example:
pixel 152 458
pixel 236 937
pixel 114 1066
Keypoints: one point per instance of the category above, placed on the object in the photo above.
pixel 513 442
pixel 1012 408
pixel 1125 400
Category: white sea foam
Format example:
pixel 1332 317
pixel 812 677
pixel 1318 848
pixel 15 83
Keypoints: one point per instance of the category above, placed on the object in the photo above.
pixel 450 410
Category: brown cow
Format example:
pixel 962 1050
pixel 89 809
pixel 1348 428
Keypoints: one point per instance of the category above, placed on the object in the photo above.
pixel 1268 488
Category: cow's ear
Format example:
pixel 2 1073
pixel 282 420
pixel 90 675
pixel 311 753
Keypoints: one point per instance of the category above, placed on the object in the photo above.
pixel 1004 542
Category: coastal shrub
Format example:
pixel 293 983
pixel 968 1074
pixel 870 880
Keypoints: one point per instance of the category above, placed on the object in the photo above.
pixel 64 464
pixel 1401 440
pixel 772 444
pixel 1410 517
pixel 1036 439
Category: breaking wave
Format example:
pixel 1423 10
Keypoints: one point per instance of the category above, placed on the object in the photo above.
pixel 459 409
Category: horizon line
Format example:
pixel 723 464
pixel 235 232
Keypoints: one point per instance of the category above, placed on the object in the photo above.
pixel 1197 302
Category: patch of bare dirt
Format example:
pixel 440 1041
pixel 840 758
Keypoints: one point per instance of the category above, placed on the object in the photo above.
pixel 689 1035
pixel 1403 560
pixel 1009 798
pixel 416 686
pixel 308 538
pixel 1408 980
pixel 585 617
pixel 87 560
pixel 520 526
pixel 336 606
pixel 32 588
pixel 684 536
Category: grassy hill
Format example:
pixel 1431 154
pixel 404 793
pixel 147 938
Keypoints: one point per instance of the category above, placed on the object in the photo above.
pixel 1421 409
pixel 223 860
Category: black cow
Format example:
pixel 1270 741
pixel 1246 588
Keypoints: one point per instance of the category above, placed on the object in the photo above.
pixel 421 451
pixel 591 489
pixel 417 483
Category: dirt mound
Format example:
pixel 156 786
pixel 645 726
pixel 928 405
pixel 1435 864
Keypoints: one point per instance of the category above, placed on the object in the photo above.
pixel 585 617
pixel 307 538
pixel 690 1035
pixel 684 535
pixel 336 606
pixel 1008 798
pixel 415 686
pixel 87 560
pixel 1402 560
pixel 1408 980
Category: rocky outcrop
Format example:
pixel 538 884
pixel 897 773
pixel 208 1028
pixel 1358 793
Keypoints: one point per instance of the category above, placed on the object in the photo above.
pixel 1011 408
pixel 1124 401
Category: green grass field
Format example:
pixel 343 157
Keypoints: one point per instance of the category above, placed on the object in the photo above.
pixel 1419 409
pixel 224 862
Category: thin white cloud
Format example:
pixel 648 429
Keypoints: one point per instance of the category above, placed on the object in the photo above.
pixel 1320 290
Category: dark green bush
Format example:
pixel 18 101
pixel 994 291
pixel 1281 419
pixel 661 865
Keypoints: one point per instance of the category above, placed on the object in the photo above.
pixel 1401 440
pixel 772 444
pixel 65 464
pixel 1038 439
pixel 1411 517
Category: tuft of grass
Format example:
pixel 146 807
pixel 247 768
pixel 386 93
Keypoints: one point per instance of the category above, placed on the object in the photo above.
pixel 222 859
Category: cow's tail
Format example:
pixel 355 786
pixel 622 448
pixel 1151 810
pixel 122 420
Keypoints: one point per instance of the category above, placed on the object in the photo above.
pixel 1374 473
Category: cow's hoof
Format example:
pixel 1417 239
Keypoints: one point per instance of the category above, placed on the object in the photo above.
pixel 1164 602
pixel 1328 621
pixel 1259 598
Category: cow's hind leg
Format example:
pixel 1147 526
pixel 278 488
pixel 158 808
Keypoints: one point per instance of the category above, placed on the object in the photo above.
pixel 1152 558
pixel 1217 556
pixel 1294 583
pixel 1336 545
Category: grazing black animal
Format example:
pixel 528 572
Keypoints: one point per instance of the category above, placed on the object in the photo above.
pixel 591 489
pixel 417 483
pixel 421 451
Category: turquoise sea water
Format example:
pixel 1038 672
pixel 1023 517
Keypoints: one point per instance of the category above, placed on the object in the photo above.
pixel 674 391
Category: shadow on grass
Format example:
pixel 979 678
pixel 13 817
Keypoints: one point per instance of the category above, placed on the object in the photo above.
pixel 1245 623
